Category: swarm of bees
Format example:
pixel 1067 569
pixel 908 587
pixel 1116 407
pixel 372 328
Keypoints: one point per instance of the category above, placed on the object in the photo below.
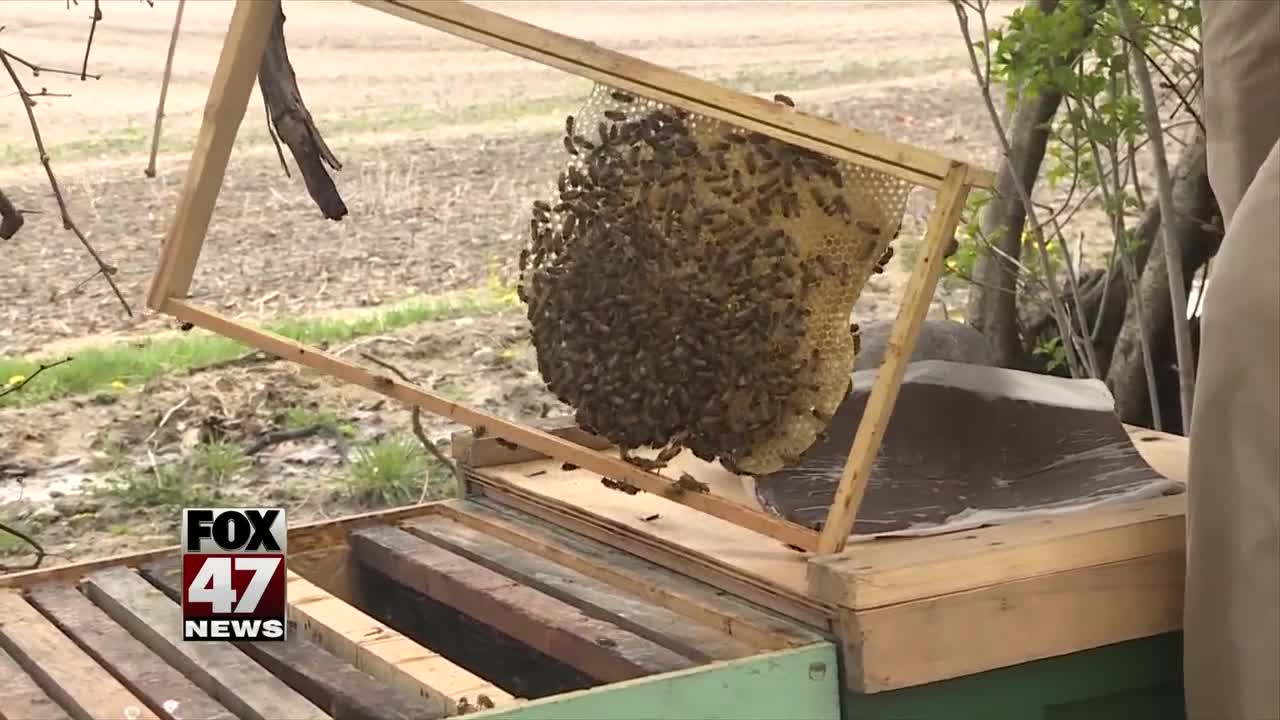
pixel 674 300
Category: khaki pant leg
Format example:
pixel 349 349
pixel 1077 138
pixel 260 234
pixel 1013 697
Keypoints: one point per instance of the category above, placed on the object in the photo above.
pixel 1232 618
pixel 1232 623
pixel 1241 92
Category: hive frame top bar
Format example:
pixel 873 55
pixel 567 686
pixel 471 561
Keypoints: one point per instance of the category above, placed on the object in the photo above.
pixel 680 90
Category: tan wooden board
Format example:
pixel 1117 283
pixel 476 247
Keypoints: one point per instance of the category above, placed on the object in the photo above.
pixel 927 641
pixel 674 552
pixel 874 574
pixel 662 519
pixel 682 593
pixel 380 650
pixel 594 598
pixel 593 647
pixel 72 678
pixel 146 674
pixel 21 698
pixel 233 678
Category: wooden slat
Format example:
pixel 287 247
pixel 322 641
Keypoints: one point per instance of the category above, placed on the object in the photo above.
pixel 538 440
pixel 681 593
pixel 879 573
pixel 233 81
pixel 962 634
pixel 144 673
pixel 221 670
pixel 721 553
pixel 63 670
pixel 323 678
pixel 680 90
pixel 594 598
pixel 897 354
pixel 486 451
pixel 598 649
pixel 21 698
pixel 381 651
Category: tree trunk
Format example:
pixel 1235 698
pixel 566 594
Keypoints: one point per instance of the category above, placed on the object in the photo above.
pixel 993 301
pixel 1197 239
pixel 1197 206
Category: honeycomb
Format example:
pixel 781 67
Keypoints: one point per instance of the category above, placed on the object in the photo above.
pixel 689 283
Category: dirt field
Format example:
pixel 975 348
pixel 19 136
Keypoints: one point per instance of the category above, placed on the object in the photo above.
pixel 444 144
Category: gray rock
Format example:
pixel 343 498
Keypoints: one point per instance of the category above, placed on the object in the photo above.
pixel 939 340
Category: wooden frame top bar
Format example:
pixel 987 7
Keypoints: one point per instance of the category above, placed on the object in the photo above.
pixel 680 90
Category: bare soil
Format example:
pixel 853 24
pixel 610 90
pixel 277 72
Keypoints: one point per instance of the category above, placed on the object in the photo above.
pixel 444 144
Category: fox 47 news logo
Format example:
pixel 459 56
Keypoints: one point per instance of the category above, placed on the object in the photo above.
pixel 233 574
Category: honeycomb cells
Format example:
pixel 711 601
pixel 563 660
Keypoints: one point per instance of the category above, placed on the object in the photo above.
pixel 689 282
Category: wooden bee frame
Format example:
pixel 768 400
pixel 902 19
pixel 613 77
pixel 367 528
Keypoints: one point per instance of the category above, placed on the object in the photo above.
pixel 233 82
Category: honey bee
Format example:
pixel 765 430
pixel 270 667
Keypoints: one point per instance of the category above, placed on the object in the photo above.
pixel 621 96
pixel 780 98
pixel 569 146
pixel 615 116
pixel 568 125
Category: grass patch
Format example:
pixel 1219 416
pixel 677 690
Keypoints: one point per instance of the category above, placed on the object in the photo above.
pixel 198 479
pixel 113 368
pixel 392 470
pixel 12 544
pixel 301 418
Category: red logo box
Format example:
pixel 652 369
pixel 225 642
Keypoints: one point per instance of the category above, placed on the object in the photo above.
pixel 233 574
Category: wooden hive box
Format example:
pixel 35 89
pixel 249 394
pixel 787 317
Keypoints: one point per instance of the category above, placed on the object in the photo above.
pixel 539 584
pixel 438 610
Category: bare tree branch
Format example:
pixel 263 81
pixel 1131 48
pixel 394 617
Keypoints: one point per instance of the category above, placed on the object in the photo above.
pixel 25 381
pixel 37 69
pixel 106 269
pixel 93 26
pixel 164 89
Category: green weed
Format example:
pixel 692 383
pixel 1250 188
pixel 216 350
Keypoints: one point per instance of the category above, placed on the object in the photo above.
pixel 392 470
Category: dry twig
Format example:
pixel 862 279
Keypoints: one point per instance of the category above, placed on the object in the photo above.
pixel 415 420
pixel 37 547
